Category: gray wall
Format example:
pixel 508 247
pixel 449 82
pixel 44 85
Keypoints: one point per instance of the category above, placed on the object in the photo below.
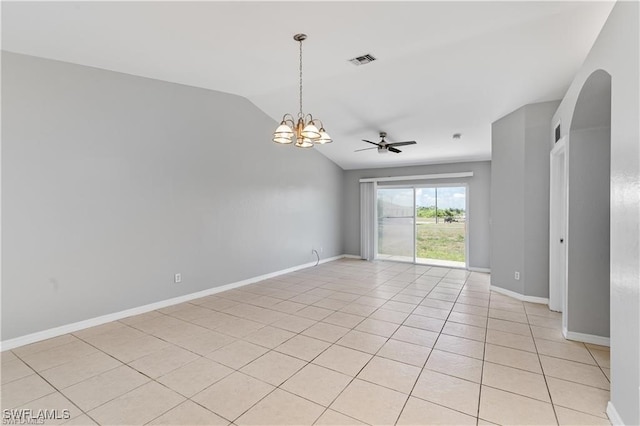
pixel 536 202
pixel 478 215
pixel 507 201
pixel 617 51
pixel 588 240
pixel 112 183
pixel 588 232
pixel 520 199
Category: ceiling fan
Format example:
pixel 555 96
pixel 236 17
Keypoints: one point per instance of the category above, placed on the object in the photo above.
pixel 383 146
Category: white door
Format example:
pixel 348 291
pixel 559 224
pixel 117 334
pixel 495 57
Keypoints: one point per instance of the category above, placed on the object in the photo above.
pixel 558 229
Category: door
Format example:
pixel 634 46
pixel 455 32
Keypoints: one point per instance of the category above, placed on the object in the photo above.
pixel 557 230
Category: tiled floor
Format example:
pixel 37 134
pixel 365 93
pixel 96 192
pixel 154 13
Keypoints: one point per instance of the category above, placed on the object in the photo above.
pixel 348 342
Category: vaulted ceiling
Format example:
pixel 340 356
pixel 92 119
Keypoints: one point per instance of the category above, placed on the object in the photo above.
pixel 441 68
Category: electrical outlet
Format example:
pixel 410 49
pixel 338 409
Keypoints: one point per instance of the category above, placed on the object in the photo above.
pixel 516 275
pixel 321 250
pixel 177 278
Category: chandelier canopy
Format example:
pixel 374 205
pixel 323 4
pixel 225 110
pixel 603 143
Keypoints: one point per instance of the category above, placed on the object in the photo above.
pixel 305 129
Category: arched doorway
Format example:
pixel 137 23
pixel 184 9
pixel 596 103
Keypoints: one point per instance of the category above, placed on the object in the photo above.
pixel 586 313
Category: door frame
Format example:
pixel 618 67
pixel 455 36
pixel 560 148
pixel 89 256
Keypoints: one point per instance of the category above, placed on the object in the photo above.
pixel 558 228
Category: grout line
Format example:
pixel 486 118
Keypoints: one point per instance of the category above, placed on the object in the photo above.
pixel 56 389
pixel 432 349
pixel 372 356
pixel 599 366
pixel 307 363
pixel 484 352
pixel 544 376
pixel 356 374
pixel 367 363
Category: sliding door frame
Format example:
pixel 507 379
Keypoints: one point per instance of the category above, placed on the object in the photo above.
pixel 414 187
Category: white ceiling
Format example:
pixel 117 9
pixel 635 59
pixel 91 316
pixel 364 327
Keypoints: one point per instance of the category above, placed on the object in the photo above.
pixel 442 68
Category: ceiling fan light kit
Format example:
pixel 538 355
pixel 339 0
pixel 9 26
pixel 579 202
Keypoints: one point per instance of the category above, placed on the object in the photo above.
pixel 304 130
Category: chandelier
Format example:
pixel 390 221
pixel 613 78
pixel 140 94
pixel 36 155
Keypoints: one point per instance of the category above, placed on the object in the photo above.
pixel 305 130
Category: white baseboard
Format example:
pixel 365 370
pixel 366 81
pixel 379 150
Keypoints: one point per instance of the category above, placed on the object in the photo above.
pixel 474 269
pixel 587 338
pixel 92 322
pixel 614 417
pixel 518 296
pixel 352 256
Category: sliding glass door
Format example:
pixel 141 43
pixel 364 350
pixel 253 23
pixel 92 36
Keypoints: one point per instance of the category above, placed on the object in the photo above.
pixel 423 224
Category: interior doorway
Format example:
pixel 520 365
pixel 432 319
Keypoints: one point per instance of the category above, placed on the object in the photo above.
pixel 423 224
pixel 558 228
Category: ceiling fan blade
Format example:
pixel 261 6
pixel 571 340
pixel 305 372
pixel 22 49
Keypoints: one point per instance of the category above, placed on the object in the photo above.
pixel 364 149
pixel 402 143
pixel 377 144
pixel 392 149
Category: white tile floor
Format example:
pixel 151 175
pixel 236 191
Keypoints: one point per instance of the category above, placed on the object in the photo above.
pixel 345 343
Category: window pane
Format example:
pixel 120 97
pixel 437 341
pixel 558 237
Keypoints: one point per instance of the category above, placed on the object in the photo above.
pixel 441 225
pixel 395 224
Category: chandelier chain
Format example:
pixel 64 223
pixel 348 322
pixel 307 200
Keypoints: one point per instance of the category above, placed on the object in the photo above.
pixel 300 114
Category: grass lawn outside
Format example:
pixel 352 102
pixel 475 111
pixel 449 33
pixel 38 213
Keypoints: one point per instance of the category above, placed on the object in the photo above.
pixel 443 241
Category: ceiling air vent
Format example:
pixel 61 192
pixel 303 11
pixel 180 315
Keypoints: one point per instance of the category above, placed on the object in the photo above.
pixel 364 59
